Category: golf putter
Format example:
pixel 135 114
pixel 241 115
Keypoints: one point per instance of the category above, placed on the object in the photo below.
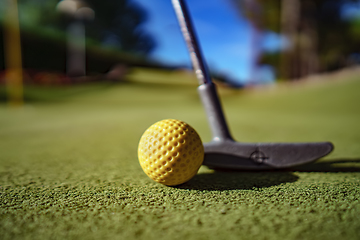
pixel 223 151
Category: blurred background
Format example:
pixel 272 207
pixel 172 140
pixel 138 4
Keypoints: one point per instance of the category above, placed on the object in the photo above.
pixel 246 42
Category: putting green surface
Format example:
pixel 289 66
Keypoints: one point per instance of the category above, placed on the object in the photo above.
pixel 69 167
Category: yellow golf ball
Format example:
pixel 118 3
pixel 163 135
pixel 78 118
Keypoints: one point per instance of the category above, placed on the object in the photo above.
pixel 170 152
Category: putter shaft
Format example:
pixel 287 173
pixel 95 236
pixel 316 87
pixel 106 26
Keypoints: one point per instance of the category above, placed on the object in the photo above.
pixel 207 89
pixel 223 151
pixel 197 59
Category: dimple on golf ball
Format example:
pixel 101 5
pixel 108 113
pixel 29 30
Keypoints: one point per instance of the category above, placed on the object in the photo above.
pixel 170 152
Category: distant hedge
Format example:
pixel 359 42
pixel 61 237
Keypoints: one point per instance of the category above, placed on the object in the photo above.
pixel 47 51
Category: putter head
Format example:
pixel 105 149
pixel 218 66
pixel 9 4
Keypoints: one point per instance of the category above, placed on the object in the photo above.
pixel 224 152
pixel 228 154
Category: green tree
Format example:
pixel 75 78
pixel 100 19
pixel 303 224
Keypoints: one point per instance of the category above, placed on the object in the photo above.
pixel 319 38
pixel 117 23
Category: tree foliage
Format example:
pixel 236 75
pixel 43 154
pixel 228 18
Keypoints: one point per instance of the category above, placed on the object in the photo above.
pixel 119 23
pixel 116 23
pixel 319 37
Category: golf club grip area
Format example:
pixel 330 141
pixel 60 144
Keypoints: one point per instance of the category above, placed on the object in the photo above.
pixel 188 31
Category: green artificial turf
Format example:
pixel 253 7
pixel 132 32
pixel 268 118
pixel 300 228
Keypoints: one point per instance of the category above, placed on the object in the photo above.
pixel 69 168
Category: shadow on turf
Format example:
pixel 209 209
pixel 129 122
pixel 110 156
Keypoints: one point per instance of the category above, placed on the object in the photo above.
pixel 231 180
pixel 335 165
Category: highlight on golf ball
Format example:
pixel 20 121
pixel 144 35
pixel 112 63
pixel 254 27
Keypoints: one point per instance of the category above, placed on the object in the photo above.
pixel 170 152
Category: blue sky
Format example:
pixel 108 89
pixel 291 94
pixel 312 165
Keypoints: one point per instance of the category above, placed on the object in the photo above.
pixel 223 34
pixel 225 37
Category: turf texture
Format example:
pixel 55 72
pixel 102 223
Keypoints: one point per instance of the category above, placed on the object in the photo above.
pixel 69 168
